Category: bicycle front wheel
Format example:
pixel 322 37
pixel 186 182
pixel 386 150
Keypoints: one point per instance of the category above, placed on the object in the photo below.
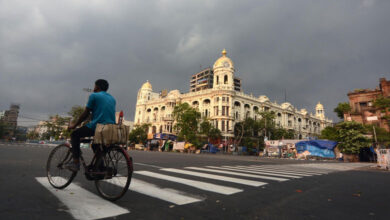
pixel 118 169
pixel 58 176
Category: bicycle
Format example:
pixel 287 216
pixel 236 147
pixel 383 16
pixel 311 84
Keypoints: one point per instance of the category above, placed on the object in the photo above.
pixel 111 168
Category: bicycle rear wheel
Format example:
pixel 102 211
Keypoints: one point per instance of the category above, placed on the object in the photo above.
pixel 58 176
pixel 118 169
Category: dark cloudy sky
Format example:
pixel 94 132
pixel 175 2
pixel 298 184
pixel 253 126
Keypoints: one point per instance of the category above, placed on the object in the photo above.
pixel 315 50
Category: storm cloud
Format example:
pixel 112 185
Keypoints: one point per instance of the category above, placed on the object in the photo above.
pixel 311 50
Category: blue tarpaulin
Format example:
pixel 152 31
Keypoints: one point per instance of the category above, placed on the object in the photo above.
pixel 320 148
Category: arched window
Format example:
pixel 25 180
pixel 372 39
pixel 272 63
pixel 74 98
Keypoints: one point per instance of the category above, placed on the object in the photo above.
pixel 217 80
pixel 225 79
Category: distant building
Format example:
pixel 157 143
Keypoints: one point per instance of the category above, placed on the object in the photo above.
pixel 362 105
pixel 217 95
pixel 11 116
pixel 205 80
pixel 2 113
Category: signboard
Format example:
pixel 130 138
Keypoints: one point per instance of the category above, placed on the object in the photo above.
pixel 178 145
pixel 383 158
pixel 372 118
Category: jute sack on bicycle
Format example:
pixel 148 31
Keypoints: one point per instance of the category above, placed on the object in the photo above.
pixel 108 134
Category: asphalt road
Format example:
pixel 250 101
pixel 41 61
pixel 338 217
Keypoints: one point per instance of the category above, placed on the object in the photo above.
pixel 197 187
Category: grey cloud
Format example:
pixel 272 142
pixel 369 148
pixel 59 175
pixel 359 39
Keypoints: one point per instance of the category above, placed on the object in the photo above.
pixel 314 50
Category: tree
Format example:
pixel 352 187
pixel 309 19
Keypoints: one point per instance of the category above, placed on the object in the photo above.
pixel 341 109
pixel 187 121
pixel 76 112
pixel 32 135
pixel 329 133
pixel 56 127
pixel 351 137
pixel 139 134
pixel 383 104
pixel 382 136
pixel 4 128
pixel 208 130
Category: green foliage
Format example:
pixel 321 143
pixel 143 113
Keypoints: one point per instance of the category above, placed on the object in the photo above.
pixel 4 128
pixel 208 130
pixel 382 136
pixel 383 104
pixel 187 120
pixel 251 132
pixel 139 134
pixel 329 133
pixel 76 112
pixel 342 108
pixel 56 128
pixel 351 137
pixel 32 135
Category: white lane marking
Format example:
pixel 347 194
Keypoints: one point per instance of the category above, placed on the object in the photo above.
pixel 256 172
pixel 286 170
pixel 149 165
pixel 333 166
pixel 193 183
pixel 237 174
pixel 292 169
pixel 271 171
pixel 266 172
pixel 216 177
pixel 82 203
pixel 166 194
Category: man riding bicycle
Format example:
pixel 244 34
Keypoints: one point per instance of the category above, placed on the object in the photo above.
pixel 102 106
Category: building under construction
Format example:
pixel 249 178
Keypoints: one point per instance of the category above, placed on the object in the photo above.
pixel 204 80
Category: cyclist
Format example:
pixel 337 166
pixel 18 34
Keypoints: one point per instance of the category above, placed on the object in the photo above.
pixel 102 106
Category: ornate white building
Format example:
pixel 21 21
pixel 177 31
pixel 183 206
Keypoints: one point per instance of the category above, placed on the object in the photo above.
pixel 224 106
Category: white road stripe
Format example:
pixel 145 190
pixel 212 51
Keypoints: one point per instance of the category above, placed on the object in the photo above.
pixel 272 171
pixel 281 174
pixel 83 204
pixel 292 169
pixel 255 172
pixel 236 174
pixel 193 183
pixel 166 194
pixel 216 177
pixel 287 170
pixel 148 165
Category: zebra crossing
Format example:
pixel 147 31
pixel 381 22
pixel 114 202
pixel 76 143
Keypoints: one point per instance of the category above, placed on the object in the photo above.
pixel 225 181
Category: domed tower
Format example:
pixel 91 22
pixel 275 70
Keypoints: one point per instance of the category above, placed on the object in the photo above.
pixel 144 92
pixel 320 111
pixel 223 73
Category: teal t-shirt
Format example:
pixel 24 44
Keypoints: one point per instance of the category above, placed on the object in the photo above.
pixel 103 109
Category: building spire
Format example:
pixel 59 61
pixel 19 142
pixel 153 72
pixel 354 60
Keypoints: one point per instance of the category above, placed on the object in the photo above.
pixel 224 52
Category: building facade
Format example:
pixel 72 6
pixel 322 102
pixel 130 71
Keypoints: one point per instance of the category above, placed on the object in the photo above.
pixel 224 104
pixel 362 105
pixel 11 116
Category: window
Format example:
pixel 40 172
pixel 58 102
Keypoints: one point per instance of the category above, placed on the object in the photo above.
pixel 223 125
pixel 216 123
pixel 225 79
pixel 227 125
pixel 223 99
pixel 223 110
pixel 217 80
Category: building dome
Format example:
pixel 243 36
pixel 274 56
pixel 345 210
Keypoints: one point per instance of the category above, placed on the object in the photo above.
pixel 285 105
pixel 319 106
pixel 263 98
pixel 147 85
pixel 223 61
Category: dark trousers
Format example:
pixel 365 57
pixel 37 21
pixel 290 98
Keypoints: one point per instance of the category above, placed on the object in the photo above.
pixel 75 139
